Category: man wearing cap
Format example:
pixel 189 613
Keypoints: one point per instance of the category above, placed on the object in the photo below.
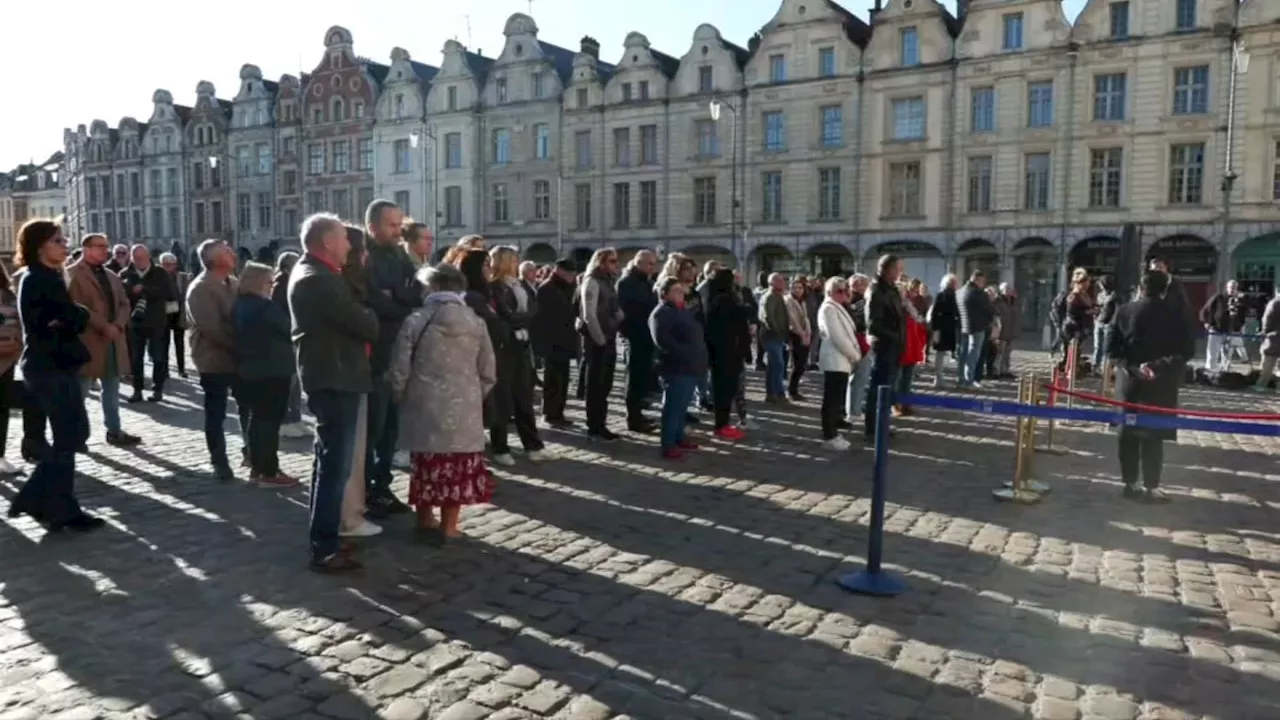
pixel 555 339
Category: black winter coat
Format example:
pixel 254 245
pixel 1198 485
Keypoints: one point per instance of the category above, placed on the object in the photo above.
pixel 1151 331
pixel 158 288
pixel 944 321
pixel 554 332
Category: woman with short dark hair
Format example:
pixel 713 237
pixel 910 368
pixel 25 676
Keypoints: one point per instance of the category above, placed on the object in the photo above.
pixel 50 364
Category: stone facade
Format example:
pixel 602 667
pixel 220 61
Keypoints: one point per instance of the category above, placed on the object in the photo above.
pixel 208 167
pixel 402 140
pixel 251 176
pixel 453 103
pixel 288 185
pixel 30 191
pixel 164 159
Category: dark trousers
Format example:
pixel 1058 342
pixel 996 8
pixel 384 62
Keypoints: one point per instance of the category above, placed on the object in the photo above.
pixel 149 342
pixel 6 399
pixel 336 416
pixel 639 372
pixel 884 371
pixel 555 387
pixel 34 437
pixel 1141 453
pixel 218 388
pixel 266 403
pixel 724 386
pixel 49 492
pixel 834 386
pixel 599 362
pixel 178 339
pixel 383 433
pixel 518 389
pixel 799 362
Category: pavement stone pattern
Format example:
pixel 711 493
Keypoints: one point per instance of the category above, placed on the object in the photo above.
pixel 607 584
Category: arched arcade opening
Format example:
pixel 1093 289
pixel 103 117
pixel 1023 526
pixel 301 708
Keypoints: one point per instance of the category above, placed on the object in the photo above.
pixel 1256 268
pixel 919 260
pixel 830 259
pixel 979 254
pixel 1035 279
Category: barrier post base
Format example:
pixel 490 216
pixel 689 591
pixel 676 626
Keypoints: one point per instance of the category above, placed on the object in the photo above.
pixel 1022 497
pixel 878 584
pixel 1032 486
pixel 1051 450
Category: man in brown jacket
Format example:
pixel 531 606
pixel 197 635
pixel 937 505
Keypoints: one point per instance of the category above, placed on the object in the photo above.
pixel 210 299
pixel 102 293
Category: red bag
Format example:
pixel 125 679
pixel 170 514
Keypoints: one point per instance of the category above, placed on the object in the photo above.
pixel 916 340
pixel 864 347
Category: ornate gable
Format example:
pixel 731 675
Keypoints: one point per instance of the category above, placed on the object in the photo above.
pixel 926 24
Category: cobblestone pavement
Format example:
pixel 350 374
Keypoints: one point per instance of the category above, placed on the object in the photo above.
pixel 606 584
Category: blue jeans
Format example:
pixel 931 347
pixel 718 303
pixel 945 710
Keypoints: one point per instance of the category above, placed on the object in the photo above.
pixel 856 394
pixel 775 372
pixel 336 415
pixel 218 389
pixel 704 391
pixel 109 396
pixel 968 356
pixel 675 401
pixel 49 492
pixel 1101 337
pixel 384 431
pixel 884 371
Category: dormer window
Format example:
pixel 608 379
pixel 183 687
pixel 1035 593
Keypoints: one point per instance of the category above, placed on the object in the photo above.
pixel 582 98
pixel 777 68
pixel 626 92
pixel 500 90
pixel 539 86
pixel 644 89
pixel 706 79
pixel 317 115
pixel 399 106
pixel 339 110
pixel 910 47
pixel 359 111
pixel 451 98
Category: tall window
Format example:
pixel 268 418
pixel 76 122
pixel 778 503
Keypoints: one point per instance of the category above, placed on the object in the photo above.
pixel 909 47
pixel 829 193
pixel 500 204
pixel 1186 174
pixel 582 148
pixel 1106 172
pixel 1108 96
pixel 775 131
pixel 1040 105
pixel 197 177
pixel 453 150
pixel 708 143
pixel 264 210
pixel 402 199
pixel 704 201
pixel 832 126
pixel 1036 190
pixel 341 156
pixel 364 155
pixel 175 222
pixel 582 206
pixel 215 212
pixel 340 203
pixel 777 68
pixel 904 189
pixel 451 104
pixel 264 159
pixel 1185 15
pixel 908 118
pixel 364 196
pixel 771 196
pixel 500 146
pixel 315 202
pixel 980 184
pixel 539 86
pixel 289 182
pixel 1275 173
pixel 453 205
pixel 199 215
pixel 648 144
pixel 157 223
pixel 826 62
pixel 583 98
pixel 626 92
pixel 649 203
pixel 541 141
pixel 1120 20
pixel 622 147
pixel 706 79
pixel 500 89
pixel 244 161
pixel 1013 31
pixel 1191 90
pixel 404 161
pixel 244 211
pixel 621 205
pixel 541 199
pixel 982 111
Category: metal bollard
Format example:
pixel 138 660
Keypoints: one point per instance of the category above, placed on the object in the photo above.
pixel 874 580
pixel 1014 491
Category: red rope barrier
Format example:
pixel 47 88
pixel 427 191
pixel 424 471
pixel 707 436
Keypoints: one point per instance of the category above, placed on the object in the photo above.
pixel 1155 409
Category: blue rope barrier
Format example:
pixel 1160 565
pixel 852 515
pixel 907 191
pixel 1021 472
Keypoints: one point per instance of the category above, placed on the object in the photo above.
pixel 873 580
pixel 1108 417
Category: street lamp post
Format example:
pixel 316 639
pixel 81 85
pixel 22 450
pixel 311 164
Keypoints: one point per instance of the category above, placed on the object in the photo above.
pixel 715 106
pixel 415 139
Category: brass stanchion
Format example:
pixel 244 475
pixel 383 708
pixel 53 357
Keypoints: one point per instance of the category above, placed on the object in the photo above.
pixel 1051 402
pixel 1028 470
pixel 1014 491
pixel 1108 378
pixel 1073 357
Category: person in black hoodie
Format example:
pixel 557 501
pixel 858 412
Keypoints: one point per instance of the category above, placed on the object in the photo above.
pixel 154 294
pixel 556 340
pixel 637 300
pixel 728 335
pixel 886 334
pixel 51 358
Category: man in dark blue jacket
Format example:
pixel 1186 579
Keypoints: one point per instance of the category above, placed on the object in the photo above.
pixel 393 295
pixel 976 315
pixel 637 299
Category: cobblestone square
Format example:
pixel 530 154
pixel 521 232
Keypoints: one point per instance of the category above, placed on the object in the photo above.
pixel 609 584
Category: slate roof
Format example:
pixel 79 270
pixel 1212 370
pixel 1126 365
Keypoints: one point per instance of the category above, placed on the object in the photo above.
pixel 855 28
pixel 376 69
pixel 424 72
pixel 669 65
pixel 480 66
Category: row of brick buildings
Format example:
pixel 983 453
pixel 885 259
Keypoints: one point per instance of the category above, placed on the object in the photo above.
pixel 1003 136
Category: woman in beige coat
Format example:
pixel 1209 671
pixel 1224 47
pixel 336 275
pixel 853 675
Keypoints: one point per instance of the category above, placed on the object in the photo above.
pixel 441 369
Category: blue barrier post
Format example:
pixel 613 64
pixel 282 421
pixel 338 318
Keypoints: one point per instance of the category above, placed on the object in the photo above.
pixel 873 580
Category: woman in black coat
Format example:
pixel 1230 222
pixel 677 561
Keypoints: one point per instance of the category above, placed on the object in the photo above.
pixel 944 325
pixel 515 308
pixel 728 336
pixel 1150 347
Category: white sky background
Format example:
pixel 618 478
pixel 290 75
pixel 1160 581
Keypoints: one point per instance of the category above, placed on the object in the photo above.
pixel 83 60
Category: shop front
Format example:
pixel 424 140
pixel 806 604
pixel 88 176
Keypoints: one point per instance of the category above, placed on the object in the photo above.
pixel 919 260
pixel 773 258
pixel 702 254
pixel 978 254
pixel 1098 256
pixel 830 260
pixel 1254 267
pixel 1192 260
pixel 1035 279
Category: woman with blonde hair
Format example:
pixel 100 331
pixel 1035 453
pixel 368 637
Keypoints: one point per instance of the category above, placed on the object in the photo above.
pixel 453 256
pixel 512 397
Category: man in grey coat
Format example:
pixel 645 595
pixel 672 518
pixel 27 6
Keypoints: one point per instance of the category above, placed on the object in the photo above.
pixel 976 315
pixel 332 333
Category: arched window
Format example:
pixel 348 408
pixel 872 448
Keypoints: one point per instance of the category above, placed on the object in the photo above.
pixel 339 110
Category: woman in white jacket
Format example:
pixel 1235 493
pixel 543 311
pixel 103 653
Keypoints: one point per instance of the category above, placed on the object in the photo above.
pixel 837 357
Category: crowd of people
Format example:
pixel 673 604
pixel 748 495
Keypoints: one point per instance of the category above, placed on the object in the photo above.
pixel 428 367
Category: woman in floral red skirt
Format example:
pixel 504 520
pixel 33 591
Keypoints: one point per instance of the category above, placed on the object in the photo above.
pixel 441 370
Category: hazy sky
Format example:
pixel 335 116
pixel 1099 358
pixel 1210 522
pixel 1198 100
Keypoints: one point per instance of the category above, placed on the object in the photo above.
pixel 104 60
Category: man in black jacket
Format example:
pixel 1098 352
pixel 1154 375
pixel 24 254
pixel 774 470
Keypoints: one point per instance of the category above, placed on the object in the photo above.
pixel 976 316
pixel 637 300
pixel 154 296
pixel 393 295
pixel 886 333
pixel 556 340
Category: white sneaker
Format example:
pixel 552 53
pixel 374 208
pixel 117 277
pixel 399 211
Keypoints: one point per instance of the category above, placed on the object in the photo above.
pixel 294 430
pixel 7 468
pixel 538 455
pixel 504 459
pixel 364 529
pixel 975 385
pixel 837 444
pixel 744 424
pixel 401 460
